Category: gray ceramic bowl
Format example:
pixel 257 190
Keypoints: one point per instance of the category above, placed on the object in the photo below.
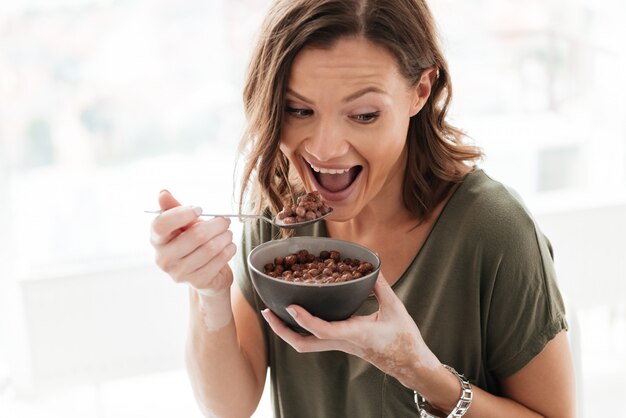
pixel 331 302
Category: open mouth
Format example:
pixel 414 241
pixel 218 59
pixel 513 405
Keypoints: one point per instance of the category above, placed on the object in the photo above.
pixel 335 180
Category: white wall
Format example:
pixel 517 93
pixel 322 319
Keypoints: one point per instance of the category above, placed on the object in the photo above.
pixel 590 253
pixel 101 325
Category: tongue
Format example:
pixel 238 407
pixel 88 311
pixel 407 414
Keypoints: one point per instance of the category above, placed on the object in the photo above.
pixel 336 182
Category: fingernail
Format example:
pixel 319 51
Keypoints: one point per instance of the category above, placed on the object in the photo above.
pixel 197 210
pixel 164 191
pixel 292 312
pixel 264 313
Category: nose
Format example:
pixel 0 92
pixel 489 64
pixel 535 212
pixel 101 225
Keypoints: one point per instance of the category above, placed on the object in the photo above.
pixel 327 141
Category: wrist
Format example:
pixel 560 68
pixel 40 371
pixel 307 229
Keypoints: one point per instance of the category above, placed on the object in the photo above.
pixel 212 307
pixel 443 389
pixel 443 400
pixel 209 295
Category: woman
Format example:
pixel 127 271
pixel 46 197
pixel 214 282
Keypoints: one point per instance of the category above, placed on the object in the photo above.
pixel 349 98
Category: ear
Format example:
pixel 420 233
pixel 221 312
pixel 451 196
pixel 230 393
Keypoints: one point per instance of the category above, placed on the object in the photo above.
pixel 423 88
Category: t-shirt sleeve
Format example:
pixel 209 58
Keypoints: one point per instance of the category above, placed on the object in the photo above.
pixel 526 309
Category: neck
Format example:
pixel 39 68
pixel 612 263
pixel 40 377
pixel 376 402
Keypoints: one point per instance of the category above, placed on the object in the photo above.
pixel 386 214
pixel 374 220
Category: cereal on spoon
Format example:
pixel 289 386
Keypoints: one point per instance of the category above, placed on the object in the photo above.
pixel 308 207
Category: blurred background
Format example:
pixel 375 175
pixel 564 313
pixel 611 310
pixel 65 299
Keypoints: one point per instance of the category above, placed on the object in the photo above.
pixel 103 103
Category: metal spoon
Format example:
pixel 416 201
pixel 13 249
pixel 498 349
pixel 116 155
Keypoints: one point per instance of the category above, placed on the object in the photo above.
pixel 274 221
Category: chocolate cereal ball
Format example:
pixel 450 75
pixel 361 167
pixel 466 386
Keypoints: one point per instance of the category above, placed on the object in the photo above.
pixel 308 208
pixel 327 267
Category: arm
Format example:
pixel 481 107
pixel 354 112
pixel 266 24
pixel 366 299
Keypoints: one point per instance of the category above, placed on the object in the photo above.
pixel 543 388
pixel 227 365
pixel 225 353
pixel 546 384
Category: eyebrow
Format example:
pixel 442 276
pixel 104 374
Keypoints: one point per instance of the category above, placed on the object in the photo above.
pixel 349 98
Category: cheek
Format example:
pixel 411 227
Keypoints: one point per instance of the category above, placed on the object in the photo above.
pixel 290 139
pixel 384 145
pixel 288 145
pixel 289 152
pixel 285 151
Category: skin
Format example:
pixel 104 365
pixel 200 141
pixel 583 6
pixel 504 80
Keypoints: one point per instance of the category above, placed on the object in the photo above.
pixel 226 358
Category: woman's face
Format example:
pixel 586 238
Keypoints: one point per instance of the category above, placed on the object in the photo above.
pixel 346 120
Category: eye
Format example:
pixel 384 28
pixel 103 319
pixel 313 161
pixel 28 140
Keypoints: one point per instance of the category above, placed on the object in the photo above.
pixel 366 117
pixel 298 113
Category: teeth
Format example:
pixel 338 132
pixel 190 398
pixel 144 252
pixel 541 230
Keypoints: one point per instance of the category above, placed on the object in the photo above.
pixel 329 170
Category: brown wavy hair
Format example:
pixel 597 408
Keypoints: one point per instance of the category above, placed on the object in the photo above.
pixel 435 149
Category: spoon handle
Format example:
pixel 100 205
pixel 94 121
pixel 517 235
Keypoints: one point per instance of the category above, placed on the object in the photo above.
pixel 234 215
pixel 222 215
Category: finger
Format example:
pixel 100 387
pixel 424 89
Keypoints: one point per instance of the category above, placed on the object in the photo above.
pixel 167 201
pixel 384 293
pixel 206 252
pixel 179 263
pixel 205 276
pixel 194 237
pixel 168 224
pixel 336 330
pixel 300 343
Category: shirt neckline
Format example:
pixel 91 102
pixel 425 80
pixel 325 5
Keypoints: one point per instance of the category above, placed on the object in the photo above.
pixel 444 213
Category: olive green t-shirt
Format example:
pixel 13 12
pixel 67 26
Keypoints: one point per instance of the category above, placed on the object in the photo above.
pixel 482 290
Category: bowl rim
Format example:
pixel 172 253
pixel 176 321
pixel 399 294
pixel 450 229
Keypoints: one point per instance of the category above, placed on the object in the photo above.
pixel 265 276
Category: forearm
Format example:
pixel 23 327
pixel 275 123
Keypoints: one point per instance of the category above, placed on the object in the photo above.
pixel 223 379
pixel 443 391
pixel 487 405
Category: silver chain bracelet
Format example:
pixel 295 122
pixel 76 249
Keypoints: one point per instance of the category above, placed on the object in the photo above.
pixel 461 406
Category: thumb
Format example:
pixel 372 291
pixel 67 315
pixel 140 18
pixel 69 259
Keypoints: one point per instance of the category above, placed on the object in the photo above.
pixel 383 292
pixel 167 201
